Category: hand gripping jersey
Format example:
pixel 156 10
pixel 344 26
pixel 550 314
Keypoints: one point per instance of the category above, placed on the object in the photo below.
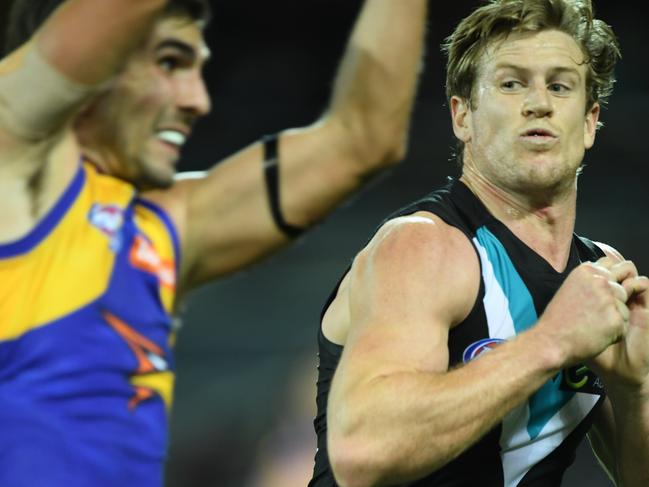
pixel 535 442
pixel 86 372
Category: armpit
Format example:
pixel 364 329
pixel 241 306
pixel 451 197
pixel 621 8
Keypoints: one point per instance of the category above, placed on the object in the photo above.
pixel 35 99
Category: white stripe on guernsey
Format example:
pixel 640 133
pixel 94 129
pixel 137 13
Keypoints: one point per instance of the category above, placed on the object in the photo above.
pixel 523 453
pixel 496 304
pixel 519 452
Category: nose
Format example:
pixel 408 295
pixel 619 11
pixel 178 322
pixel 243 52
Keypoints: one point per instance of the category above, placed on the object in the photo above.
pixel 192 95
pixel 538 102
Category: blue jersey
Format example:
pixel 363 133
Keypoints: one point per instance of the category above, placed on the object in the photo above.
pixel 86 372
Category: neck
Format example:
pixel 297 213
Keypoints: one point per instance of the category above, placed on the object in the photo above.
pixel 95 147
pixel 545 224
pixel 104 161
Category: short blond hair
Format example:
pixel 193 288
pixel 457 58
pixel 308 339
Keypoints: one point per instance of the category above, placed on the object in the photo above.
pixel 497 19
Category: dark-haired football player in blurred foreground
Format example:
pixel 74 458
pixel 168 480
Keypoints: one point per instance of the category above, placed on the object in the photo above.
pixel 100 238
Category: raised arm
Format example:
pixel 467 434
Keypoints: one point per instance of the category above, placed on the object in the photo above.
pixel 225 218
pixel 43 83
pixel 81 45
pixel 395 411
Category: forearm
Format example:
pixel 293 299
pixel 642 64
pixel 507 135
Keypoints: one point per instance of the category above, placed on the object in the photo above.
pixel 631 440
pixel 89 40
pixel 43 83
pixel 366 124
pixel 376 83
pixel 401 427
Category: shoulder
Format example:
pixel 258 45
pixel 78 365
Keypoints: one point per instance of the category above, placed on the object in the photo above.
pixel 421 254
pixel 174 202
pixel 420 235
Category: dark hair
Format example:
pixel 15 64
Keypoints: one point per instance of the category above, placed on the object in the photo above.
pixel 26 16
pixel 497 19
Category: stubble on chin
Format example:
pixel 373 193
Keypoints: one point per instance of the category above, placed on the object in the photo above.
pixel 547 182
pixel 153 174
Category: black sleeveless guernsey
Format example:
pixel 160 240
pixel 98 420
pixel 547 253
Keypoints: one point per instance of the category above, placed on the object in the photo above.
pixel 536 442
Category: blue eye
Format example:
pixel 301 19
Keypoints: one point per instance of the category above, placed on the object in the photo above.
pixel 559 88
pixel 511 84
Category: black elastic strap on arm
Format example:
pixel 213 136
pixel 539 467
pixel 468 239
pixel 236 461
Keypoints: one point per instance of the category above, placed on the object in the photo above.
pixel 271 173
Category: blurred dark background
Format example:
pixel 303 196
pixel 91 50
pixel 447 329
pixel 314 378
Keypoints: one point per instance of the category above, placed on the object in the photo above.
pixel 247 353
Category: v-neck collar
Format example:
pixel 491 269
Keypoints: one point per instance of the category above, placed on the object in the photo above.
pixel 523 256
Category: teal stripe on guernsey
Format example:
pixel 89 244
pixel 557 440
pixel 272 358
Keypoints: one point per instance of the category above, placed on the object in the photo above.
pixel 548 400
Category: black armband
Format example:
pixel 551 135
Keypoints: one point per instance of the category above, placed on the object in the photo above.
pixel 271 173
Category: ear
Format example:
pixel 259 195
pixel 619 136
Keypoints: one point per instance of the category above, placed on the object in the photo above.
pixel 591 125
pixel 461 118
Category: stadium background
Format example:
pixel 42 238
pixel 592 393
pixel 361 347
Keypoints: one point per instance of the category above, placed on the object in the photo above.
pixel 247 352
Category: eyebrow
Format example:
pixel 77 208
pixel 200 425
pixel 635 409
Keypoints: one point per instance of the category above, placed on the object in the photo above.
pixel 186 49
pixel 554 71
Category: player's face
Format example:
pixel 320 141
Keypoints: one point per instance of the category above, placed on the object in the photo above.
pixel 530 127
pixel 141 122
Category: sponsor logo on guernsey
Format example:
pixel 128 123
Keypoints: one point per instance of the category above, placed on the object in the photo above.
pixel 109 220
pixel 478 348
pixel 581 379
pixel 143 256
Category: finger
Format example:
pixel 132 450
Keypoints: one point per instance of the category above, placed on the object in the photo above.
pixel 623 327
pixel 605 263
pixel 623 270
pixel 624 312
pixel 619 292
pixel 599 270
pixel 637 289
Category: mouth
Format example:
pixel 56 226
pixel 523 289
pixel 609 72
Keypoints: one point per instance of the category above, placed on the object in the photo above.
pixel 539 132
pixel 539 137
pixel 173 138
